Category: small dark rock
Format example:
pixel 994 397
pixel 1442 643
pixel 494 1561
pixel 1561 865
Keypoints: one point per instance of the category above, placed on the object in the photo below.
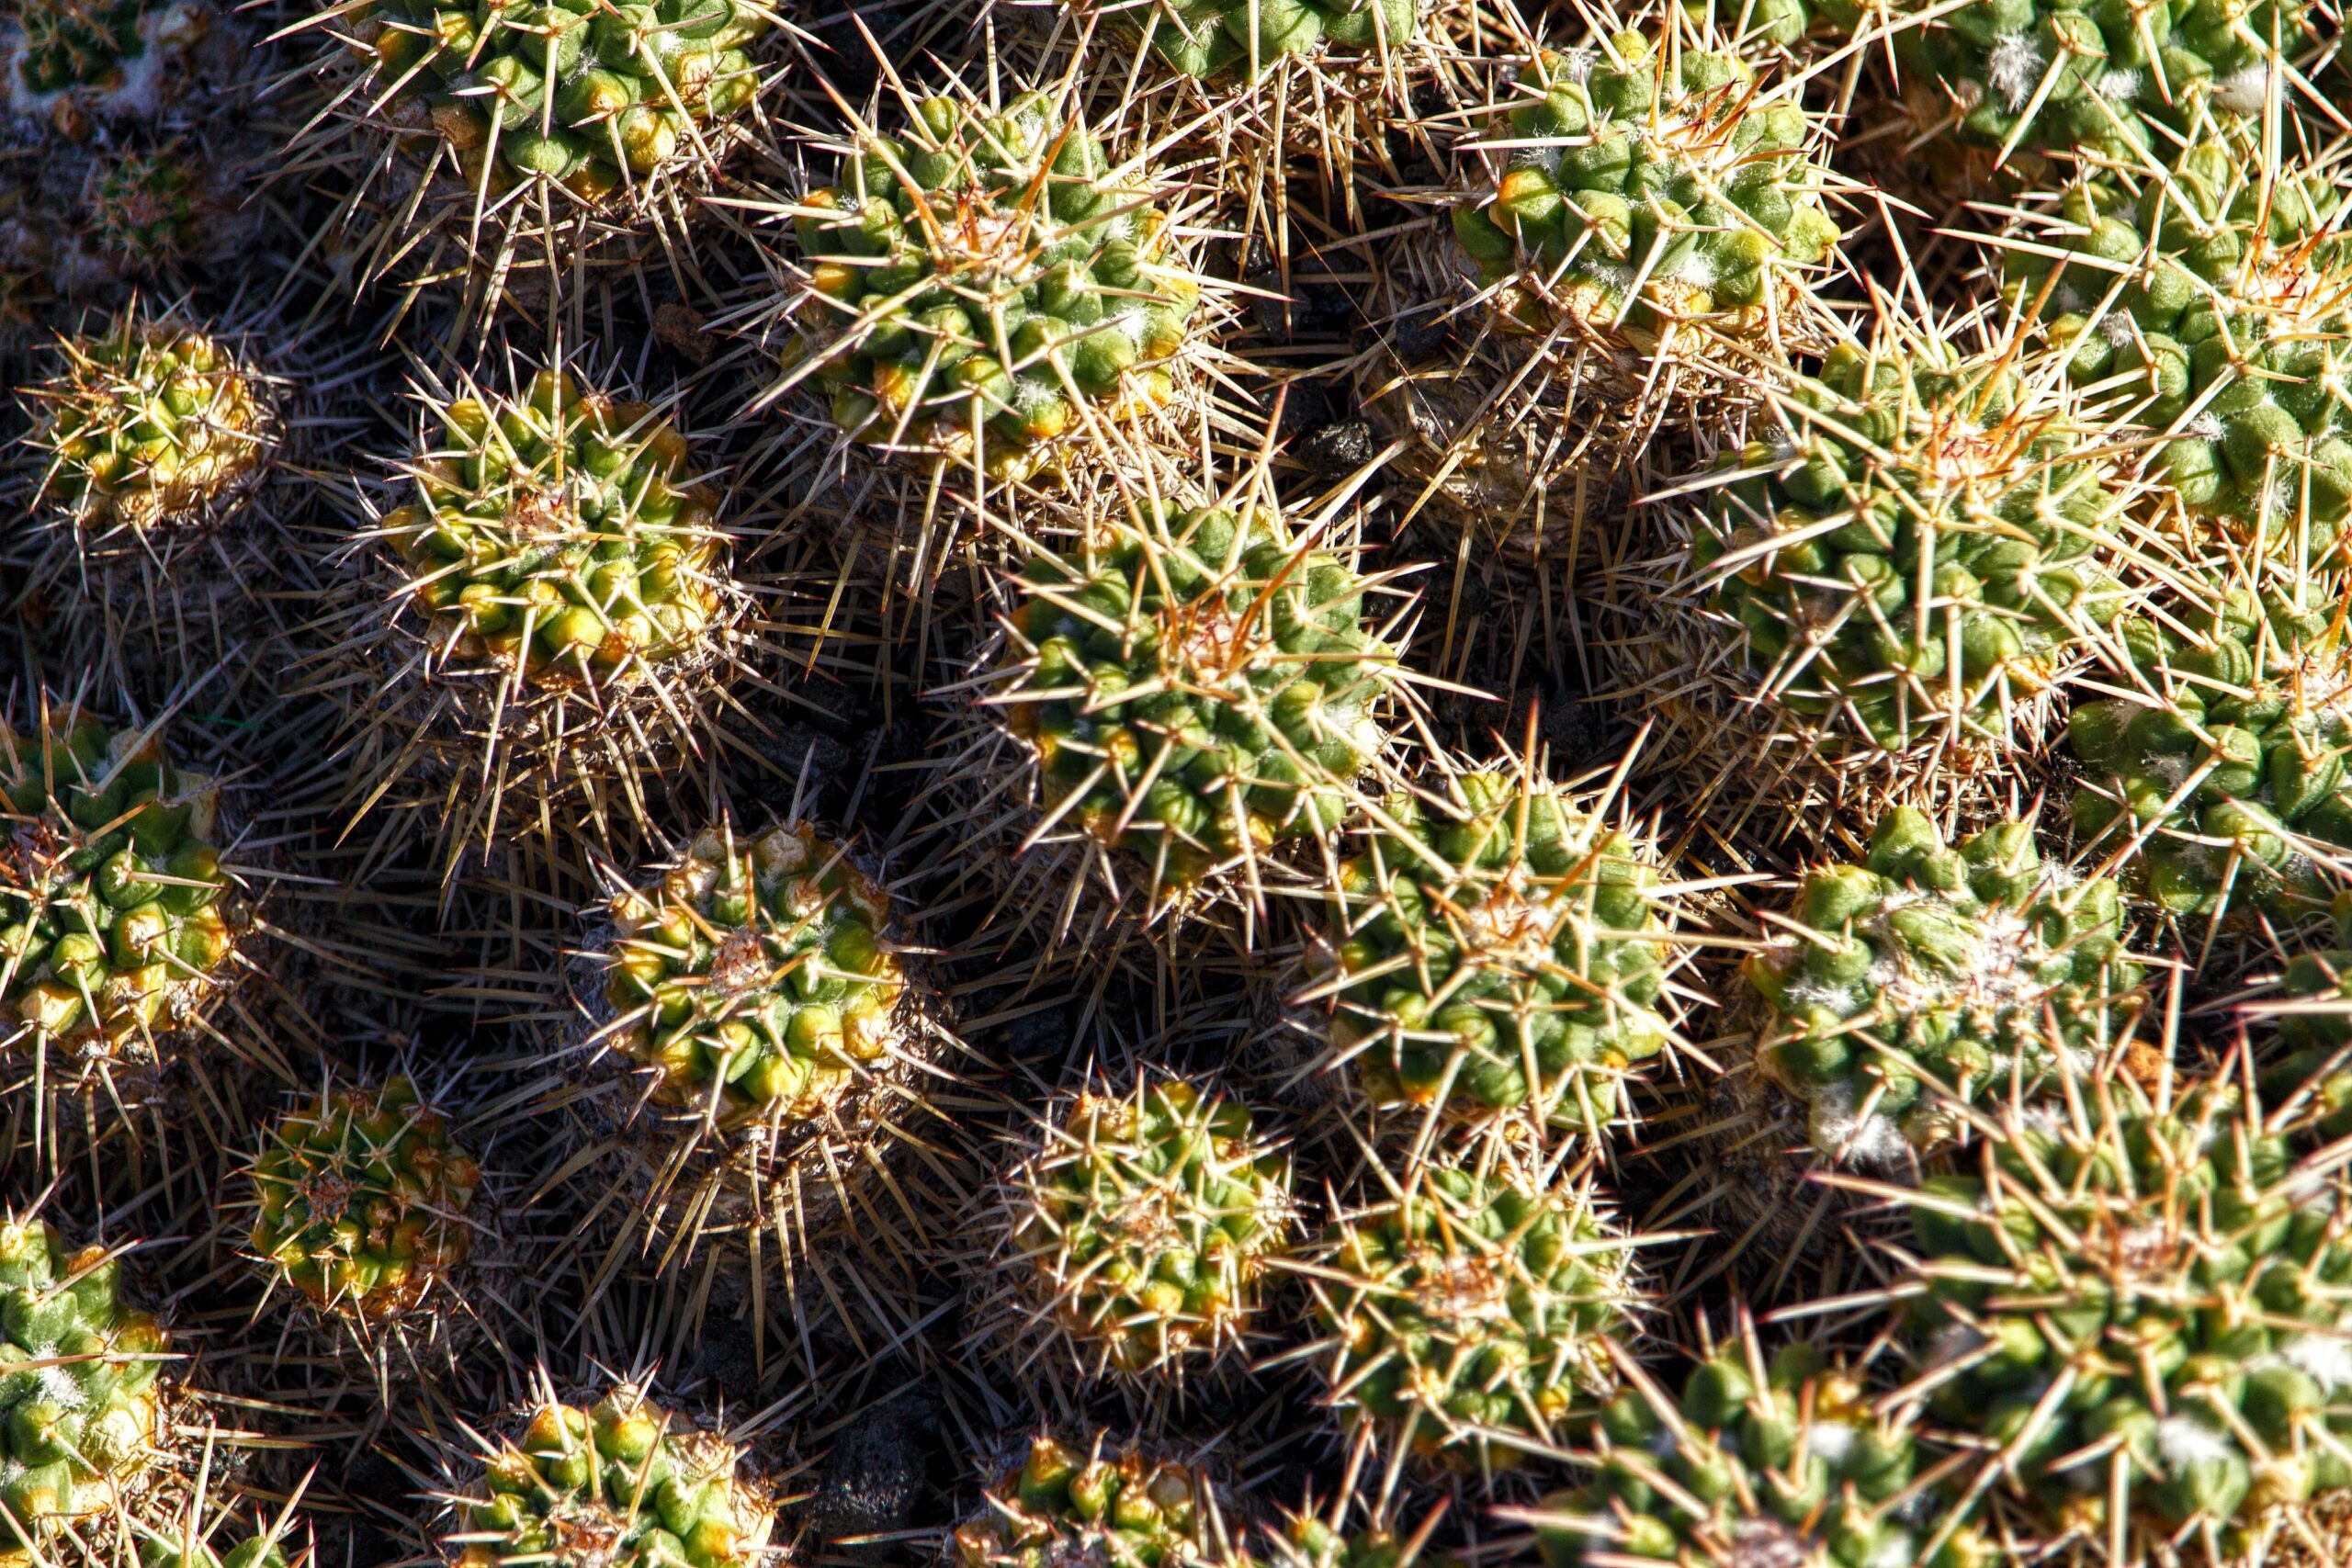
pixel 1421 333
pixel 871 1482
pixel 1338 448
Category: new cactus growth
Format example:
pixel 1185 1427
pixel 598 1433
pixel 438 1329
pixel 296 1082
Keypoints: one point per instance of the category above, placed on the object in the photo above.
pixel 117 919
pixel 1142 1229
pixel 360 1200
pixel 1496 954
pixel 985 280
pixel 1653 183
pixel 1929 978
pixel 1464 1317
pixel 1204 38
pixel 621 1484
pixel 753 983
pixel 1196 687
pixel 1121 1508
pixel 1787 1460
pixel 81 1413
pixel 2228 766
pixel 147 209
pixel 1924 548
pixel 149 425
pixel 2134 1316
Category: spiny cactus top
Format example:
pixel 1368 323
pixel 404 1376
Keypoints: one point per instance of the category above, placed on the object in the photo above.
pixel 361 1200
pixel 2232 759
pixel 1929 975
pixel 1146 1222
pixel 1196 687
pixel 80 1416
pixel 113 58
pixel 595 97
pixel 560 530
pixel 978 277
pixel 112 922
pixel 1119 1507
pixel 151 424
pixel 1466 1318
pixel 1816 544
pixel 1203 38
pixel 147 208
pixel 2232 295
pixel 1305 1541
pixel 1650 184
pixel 2151 1286
pixel 1497 957
pixel 753 981
pixel 2062 75
pixel 1786 1462
pixel 621 1484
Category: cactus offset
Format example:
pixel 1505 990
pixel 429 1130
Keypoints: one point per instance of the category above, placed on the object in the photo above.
pixel 1125 1509
pixel 70 60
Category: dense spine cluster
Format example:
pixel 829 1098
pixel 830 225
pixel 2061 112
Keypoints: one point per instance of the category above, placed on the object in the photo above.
pixel 1111 1505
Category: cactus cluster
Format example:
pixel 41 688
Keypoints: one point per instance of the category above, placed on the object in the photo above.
pixel 72 60
pixel 360 1200
pixel 116 918
pixel 1927 979
pixel 1110 1504
pixel 1496 952
pixel 986 284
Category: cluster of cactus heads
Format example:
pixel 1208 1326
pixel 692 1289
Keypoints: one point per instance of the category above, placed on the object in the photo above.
pixel 79 1388
pixel 1109 1504
pixel 986 284
pixel 1929 979
pixel 1145 1227
pixel 1197 686
pixel 1466 1318
pixel 117 923
pixel 1210 38
pixel 1496 953
pixel 360 1200
pixel 754 982
pixel 623 1481
pixel 71 61
pixel 1922 551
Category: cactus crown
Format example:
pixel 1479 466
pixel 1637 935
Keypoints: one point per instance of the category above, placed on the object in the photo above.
pixel 979 278
pixel 2230 762
pixel 1929 978
pixel 594 99
pixel 559 531
pixel 150 424
pixel 147 208
pixel 361 1200
pixel 621 1484
pixel 80 1412
pixel 1789 1461
pixel 2147 1284
pixel 1466 1318
pixel 1206 38
pixel 1499 952
pixel 1196 685
pixel 753 980
pixel 1815 543
pixel 1146 1224
pixel 116 917
pixel 1651 181
pixel 69 56
pixel 1061 1506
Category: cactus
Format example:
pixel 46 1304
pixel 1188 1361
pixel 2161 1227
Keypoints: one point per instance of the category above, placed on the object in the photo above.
pixel 623 1482
pixel 1791 1460
pixel 1124 1510
pixel 1142 1230
pixel 593 99
pixel 360 1202
pixel 1257 690
pixel 118 921
pixel 151 424
pixel 2228 763
pixel 1653 183
pixel 1208 37
pixel 2309 1082
pixel 84 1419
pixel 1464 1317
pixel 70 60
pixel 1494 954
pixel 982 279
pixel 1816 546
pixel 1305 1541
pixel 753 981
pixel 147 209
pixel 2132 1314
pixel 1926 979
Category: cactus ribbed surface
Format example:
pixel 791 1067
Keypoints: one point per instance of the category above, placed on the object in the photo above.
pixel 1206 38
pixel 1929 978
pixel 1119 1507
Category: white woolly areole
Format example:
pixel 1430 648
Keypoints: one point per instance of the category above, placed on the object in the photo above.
pixel 2014 68
pixel 1829 1442
pixel 1838 1129
pixel 2184 1441
pixel 2117 87
pixel 1895 1552
pixel 2246 90
pixel 2206 426
pixel 2325 1359
pixel 2115 326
